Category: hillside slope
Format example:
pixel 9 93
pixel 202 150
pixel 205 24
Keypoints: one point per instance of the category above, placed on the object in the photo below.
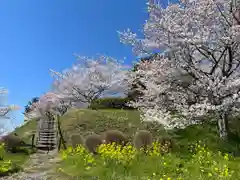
pixel 85 122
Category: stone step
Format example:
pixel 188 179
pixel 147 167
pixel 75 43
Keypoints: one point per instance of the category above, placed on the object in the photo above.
pixel 46 147
pixel 46 143
pixel 46 130
pixel 51 121
pixel 47 138
pixel 52 147
pixel 48 123
pixel 47 135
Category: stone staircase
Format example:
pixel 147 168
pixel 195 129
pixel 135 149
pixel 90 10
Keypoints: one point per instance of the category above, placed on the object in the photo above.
pixel 47 135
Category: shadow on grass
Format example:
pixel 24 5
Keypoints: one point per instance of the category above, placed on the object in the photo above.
pixel 208 134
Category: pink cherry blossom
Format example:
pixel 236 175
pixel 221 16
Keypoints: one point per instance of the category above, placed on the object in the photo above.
pixel 199 38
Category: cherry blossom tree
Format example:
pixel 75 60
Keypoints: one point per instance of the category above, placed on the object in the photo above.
pixel 199 38
pixel 48 103
pixel 49 106
pixel 91 78
pixel 84 82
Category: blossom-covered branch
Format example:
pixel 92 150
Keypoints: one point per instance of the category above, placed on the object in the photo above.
pixel 90 78
pixel 199 38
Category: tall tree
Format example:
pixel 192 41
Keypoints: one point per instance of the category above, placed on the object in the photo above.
pixel 84 82
pixel 199 38
pixel 91 78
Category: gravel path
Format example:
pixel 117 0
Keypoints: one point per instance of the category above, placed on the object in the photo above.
pixel 40 166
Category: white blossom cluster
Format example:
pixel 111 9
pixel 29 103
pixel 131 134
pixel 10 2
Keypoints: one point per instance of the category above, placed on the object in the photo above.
pixel 88 79
pixel 199 38
pixel 48 102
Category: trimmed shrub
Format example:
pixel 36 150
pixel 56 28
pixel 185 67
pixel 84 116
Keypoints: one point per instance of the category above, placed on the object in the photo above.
pixel 92 142
pixel 116 136
pixel 142 139
pixel 12 143
pixel 110 103
pixel 76 139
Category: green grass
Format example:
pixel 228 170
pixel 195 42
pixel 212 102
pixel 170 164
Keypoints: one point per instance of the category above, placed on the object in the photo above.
pixel 25 131
pixel 113 163
pixel 86 122
pixel 22 154
pixel 16 160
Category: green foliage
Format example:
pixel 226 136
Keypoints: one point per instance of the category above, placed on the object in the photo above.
pixel 127 163
pixel 142 139
pixel 92 142
pixel 110 103
pixel 10 163
pixel 27 108
pixel 76 139
pixel 116 136
pixel 13 143
pixel 86 121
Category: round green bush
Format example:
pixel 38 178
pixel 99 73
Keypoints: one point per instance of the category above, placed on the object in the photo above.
pixel 115 136
pixel 142 139
pixel 12 143
pixel 92 142
pixel 76 139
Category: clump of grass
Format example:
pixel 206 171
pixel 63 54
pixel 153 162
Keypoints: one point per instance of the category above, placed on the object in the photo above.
pixel 92 142
pixel 12 143
pixel 115 136
pixel 142 139
pixel 76 139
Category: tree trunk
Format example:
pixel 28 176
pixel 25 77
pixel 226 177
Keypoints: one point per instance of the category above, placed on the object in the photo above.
pixel 223 126
pixel 60 133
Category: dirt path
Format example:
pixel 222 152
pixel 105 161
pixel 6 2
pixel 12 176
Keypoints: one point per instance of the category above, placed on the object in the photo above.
pixel 40 166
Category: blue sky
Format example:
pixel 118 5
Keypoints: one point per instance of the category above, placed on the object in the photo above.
pixel 38 35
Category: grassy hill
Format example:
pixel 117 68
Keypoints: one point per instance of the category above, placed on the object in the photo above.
pixel 85 122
